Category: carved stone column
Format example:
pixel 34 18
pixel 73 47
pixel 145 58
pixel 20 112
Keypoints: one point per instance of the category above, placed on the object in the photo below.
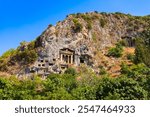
pixel 71 59
pixel 68 59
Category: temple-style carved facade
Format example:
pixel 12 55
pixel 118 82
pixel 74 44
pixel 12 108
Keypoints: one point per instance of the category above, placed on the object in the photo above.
pixel 46 65
pixel 66 56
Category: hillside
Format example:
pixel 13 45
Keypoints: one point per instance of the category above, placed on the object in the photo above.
pixel 79 39
pixel 90 56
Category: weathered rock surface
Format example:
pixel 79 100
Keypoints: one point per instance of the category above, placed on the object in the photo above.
pixel 84 36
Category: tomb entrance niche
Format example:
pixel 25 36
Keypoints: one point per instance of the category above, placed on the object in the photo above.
pixel 85 59
pixel 81 60
pixel 67 56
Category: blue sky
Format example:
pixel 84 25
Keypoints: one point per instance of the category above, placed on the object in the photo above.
pixel 26 19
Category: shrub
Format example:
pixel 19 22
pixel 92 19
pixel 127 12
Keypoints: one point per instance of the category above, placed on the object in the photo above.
pixel 104 13
pixel 4 59
pixel 102 22
pixel 89 25
pixel 136 72
pixel 102 70
pixel 125 69
pixel 71 71
pixel 78 15
pixel 50 25
pixel 8 53
pixel 95 16
pixel 142 49
pixel 77 26
pixel 123 42
pixel 95 11
pixel 27 56
pixel 86 17
pixel 31 45
pixel 131 57
pixel 116 51
pixel 118 15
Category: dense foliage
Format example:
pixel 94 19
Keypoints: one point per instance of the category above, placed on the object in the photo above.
pixel 25 54
pixel 116 51
pixel 77 25
pixel 134 83
pixel 142 50
pixel 5 58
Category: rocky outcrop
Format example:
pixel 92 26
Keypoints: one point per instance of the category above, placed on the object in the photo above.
pixel 80 37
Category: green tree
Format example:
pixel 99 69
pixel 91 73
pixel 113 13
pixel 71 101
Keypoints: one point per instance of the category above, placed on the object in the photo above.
pixel 5 58
pixel 121 88
pixel 116 51
pixel 71 71
pixel 142 52
pixel 59 86
pixel 142 49
pixel 84 93
pixel 136 72
pixel 6 89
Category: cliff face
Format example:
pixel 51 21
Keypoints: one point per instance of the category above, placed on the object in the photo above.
pixel 93 31
pixel 81 38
